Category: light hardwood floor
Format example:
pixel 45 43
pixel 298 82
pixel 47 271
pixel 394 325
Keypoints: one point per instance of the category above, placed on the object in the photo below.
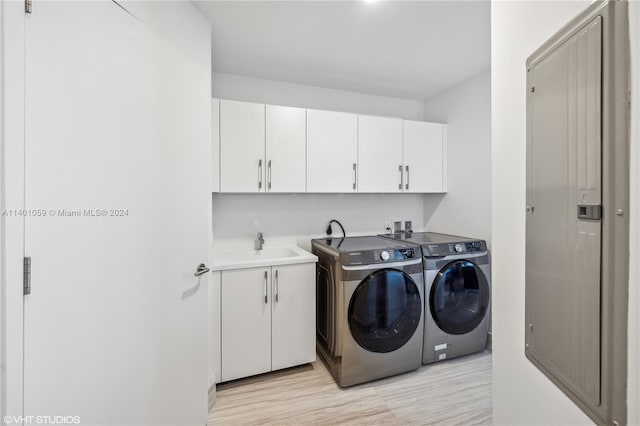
pixel 455 392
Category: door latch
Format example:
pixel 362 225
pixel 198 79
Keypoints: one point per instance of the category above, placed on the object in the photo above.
pixel 590 211
pixel 26 282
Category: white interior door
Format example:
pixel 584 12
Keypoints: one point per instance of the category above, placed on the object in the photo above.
pixel 118 157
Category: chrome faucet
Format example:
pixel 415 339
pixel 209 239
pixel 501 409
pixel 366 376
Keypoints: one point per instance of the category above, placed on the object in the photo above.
pixel 259 241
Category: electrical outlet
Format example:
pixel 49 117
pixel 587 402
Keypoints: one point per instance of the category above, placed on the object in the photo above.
pixel 408 226
pixel 387 228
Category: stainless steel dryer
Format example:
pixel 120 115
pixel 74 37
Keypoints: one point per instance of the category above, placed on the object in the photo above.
pixel 369 307
pixel 457 276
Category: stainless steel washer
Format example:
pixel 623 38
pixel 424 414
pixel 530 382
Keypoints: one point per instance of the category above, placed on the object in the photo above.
pixel 457 276
pixel 369 307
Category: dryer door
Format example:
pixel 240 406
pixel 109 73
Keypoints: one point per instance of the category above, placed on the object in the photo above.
pixel 459 297
pixel 384 310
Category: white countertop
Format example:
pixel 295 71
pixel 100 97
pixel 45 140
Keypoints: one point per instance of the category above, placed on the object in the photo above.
pixel 242 258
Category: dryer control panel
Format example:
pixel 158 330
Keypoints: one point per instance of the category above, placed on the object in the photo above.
pixel 380 256
pixel 449 249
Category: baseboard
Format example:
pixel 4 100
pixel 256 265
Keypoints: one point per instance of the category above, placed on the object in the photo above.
pixel 212 396
pixel 212 390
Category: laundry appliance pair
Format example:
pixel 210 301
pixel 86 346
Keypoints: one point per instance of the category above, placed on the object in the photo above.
pixel 387 304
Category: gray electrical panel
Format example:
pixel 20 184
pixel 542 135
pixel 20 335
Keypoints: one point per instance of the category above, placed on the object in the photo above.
pixel 563 250
pixel 575 140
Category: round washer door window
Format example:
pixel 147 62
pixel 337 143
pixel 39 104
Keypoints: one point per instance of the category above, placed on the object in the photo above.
pixel 459 297
pixel 384 311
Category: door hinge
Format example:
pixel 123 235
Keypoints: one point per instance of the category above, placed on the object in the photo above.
pixel 27 6
pixel 26 283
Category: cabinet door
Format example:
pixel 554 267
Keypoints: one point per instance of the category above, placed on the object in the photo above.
pixel 286 149
pixel 246 322
pixel 242 138
pixel 425 156
pixel 332 151
pixel 215 355
pixel 215 145
pixel 294 315
pixel 380 154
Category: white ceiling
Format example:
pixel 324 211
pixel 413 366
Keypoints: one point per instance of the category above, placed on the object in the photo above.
pixel 406 49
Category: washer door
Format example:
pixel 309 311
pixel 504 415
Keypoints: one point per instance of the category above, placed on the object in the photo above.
pixel 384 311
pixel 459 297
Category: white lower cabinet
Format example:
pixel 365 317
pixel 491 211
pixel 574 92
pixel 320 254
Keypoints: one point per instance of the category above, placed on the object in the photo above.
pixel 268 319
pixel 215 360
pixel 293 320
pixel 246 322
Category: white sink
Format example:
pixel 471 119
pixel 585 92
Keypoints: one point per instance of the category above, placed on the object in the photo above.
pixel 265 254
pixel 224 259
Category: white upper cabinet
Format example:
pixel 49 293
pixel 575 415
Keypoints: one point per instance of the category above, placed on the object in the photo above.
pixel 425 156
pixel 242 146
pixel 332 151
pixel 268 148
pixel 380 167
pixel 285 149
pixel 215 145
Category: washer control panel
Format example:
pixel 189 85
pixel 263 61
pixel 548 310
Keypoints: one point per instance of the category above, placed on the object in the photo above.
pixel 447 249
pixel 380 256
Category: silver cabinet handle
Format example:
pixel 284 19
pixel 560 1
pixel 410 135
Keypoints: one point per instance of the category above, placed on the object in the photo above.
pixel 277 285
pixel 269 175
pixel 266 300
pixel 407 170
pixel 201 270
pixel 401 184
pixel 355 175
pixel 260 174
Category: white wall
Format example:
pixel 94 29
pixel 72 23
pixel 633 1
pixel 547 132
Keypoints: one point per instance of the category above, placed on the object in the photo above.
pixel 521 394
pixel 466 209
pixel 241 88
pixel 301 216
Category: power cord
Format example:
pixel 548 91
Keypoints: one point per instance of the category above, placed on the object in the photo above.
pixel 329 231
